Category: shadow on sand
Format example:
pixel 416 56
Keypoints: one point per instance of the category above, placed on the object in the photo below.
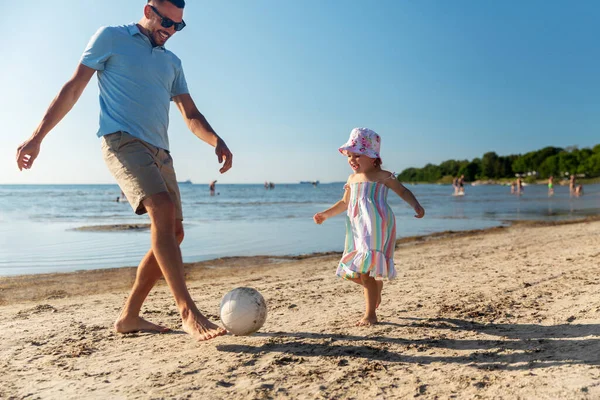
pixel 502 346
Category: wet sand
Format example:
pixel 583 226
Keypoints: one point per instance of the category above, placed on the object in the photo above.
pixel 113 228
pixel 508 312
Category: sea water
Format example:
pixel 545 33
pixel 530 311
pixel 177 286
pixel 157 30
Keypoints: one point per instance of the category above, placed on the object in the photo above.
pixel 37 222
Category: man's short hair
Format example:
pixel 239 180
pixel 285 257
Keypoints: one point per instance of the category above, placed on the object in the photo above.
pixel 176 3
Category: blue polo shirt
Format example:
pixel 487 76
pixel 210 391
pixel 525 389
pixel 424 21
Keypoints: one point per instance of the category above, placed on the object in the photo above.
pixel 136 81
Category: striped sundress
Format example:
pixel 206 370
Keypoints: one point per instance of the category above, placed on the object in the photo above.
pixel 370 233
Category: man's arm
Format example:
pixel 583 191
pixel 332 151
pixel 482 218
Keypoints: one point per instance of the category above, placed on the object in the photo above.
pixel 60 106
pixel 202 129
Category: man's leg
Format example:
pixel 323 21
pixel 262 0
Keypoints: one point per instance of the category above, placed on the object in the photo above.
pixel 166 250
pixel 148 273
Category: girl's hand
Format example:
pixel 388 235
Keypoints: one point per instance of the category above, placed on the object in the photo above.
pixel 319 218
pixel 420 211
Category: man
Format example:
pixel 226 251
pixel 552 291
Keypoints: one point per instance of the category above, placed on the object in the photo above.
pixel 572 184
pixel 137 78
pixel 455 185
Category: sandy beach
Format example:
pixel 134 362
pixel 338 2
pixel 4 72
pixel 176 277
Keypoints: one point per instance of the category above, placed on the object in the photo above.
pixel 506 313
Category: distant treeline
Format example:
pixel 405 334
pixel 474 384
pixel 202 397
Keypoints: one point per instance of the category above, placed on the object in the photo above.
pixel 539 164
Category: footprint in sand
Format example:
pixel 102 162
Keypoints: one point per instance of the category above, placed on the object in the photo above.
pixel 40 308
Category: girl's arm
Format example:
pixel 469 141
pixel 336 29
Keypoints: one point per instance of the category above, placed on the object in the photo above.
pixel 405 195
pixel 334 210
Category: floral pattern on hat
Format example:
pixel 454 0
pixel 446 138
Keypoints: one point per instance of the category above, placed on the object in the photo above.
pixel 362 141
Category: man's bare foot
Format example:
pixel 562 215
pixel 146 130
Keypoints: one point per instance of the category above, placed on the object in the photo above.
pixel 366 321
pixel 138 324
pixel 379 290
pixel 201 328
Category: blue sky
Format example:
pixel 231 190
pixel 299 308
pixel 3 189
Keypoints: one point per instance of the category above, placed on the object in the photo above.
pixel 284 82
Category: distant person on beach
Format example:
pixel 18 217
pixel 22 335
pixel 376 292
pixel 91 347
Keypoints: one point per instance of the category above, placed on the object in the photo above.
pixel 455 185
pixel 519 185
pixel 579 190
pixel 461 185
pixel 211 188
pixel 551 186
pixel 137 78
pixel 513 186
pixel 370 224
pixel 121 197
pixel 572 185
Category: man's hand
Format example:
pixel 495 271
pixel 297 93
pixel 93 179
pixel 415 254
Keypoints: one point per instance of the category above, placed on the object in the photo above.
pixel 27 153
pixel 202 129
pixel 61 105
pixel 223 154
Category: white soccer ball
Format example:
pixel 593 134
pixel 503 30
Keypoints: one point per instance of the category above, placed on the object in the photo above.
pixel 243 311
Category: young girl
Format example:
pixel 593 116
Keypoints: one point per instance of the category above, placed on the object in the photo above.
pixel 370 224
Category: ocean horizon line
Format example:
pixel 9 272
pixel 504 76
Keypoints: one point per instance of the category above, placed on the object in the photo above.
pixel 180 182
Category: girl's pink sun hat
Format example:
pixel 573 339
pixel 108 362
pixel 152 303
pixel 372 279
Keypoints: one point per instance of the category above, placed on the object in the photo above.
pixel 362 141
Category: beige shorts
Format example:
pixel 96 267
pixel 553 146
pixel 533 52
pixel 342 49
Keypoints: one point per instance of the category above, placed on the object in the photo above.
pixel 141 170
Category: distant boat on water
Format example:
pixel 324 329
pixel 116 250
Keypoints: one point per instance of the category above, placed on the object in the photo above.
pixel 314 183
pixel 188 182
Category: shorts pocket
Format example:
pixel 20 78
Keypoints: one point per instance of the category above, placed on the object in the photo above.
pixel 113 140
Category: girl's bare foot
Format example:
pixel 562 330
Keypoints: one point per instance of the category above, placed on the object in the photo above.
pixel 201 328
pixel 379 290
pixel 366 321
pixel 138 324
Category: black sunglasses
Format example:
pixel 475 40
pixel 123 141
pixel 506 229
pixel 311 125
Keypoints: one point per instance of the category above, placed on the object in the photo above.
pixel 167 23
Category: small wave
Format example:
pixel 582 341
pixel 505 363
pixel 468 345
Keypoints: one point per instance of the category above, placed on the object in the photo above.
pixel 253 204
